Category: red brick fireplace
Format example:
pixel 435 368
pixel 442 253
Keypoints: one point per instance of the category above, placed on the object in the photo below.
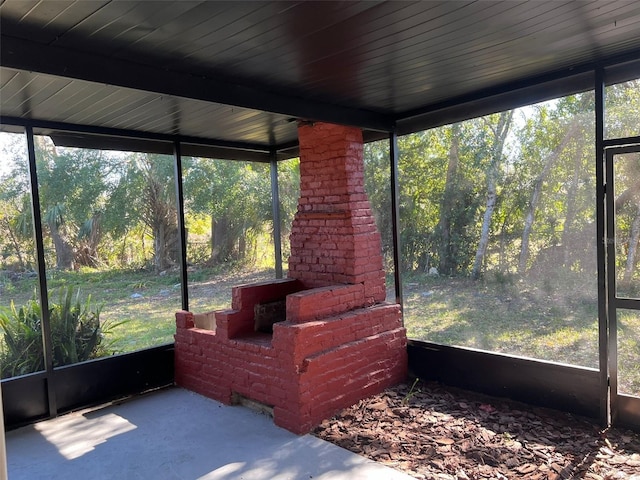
pixel 323 338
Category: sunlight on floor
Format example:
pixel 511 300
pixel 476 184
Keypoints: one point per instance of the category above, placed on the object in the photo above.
pixel 76 435
pixel 228 471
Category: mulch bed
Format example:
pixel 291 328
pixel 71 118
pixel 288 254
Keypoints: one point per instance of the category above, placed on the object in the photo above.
pixel 435 432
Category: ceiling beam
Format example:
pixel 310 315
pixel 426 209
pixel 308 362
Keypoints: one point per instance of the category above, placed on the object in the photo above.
pixel 105 138
pixel 119 132
pixel 26 55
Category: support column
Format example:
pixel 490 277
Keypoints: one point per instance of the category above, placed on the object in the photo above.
pixel 277 224
pixel 45 325
pixel 182 232
pixel 603 316
pixel 395 215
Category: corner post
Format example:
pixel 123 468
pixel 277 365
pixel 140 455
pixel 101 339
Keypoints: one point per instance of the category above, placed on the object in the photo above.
pixel 36 214
pixel 601 252
pixel 182 232
pixel 395 214
pixel 275 205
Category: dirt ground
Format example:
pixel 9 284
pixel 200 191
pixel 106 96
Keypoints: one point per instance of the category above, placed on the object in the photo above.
pixel 434 432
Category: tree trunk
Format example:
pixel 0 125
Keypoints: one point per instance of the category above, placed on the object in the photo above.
pixel 159 253
pixel 214 253
pixel 171 244
pixel 124 258
pixel 503 245
pixel 500 134
pixel 95 237
pixel 64 250
pixel 242 246
pixel 486 224
pixel 446 262
pixel 571 207
pixel 550 161
pixel 14 241
pixel 87 253
pixel 160 216
pixel 634 237
pixel 165 240
pixel 626 196
pixel 222 240
pixel 528 224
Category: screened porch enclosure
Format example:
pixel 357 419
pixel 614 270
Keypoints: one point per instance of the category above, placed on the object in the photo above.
pixel 150 164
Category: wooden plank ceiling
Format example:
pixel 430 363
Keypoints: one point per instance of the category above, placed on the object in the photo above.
pixel 239 73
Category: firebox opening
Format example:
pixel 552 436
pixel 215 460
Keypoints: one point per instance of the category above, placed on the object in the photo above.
pixel 266 314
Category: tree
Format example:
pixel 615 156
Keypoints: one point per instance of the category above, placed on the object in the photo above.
pixel 89 238
pixel 632 250
pixel 461 200
pixel 436 208
pixel 73 187
pixel 627 207
pixel 446 262
pixel 158 209
pixel 547 164
pixel 60 234
pixel 15 206
pixel 622 105
pixel 237 197
pixel 289 193
pixel 422 166
pixel 499 125
pixel 376 183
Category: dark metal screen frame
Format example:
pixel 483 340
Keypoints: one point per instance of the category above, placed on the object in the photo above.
pixel 548 386
pixel 624 409
pixel 182 231
pixel 603 321
pixel 395 214
pixel 45 321
pixel 275 206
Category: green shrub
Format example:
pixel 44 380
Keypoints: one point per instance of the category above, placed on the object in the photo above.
pixel 21 351
pixel 76 332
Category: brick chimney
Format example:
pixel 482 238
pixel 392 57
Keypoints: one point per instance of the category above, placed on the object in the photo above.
pixel 334 238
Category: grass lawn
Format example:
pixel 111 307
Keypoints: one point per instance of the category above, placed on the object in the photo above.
pixel 513 319
pixel 553 319
pixel 138 307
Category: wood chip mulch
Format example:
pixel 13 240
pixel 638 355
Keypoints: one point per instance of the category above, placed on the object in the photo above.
pixel 435 432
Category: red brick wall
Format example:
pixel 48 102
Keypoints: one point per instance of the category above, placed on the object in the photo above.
pixel 306 371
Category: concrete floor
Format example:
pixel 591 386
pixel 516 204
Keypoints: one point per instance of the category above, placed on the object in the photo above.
pixel 177 434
